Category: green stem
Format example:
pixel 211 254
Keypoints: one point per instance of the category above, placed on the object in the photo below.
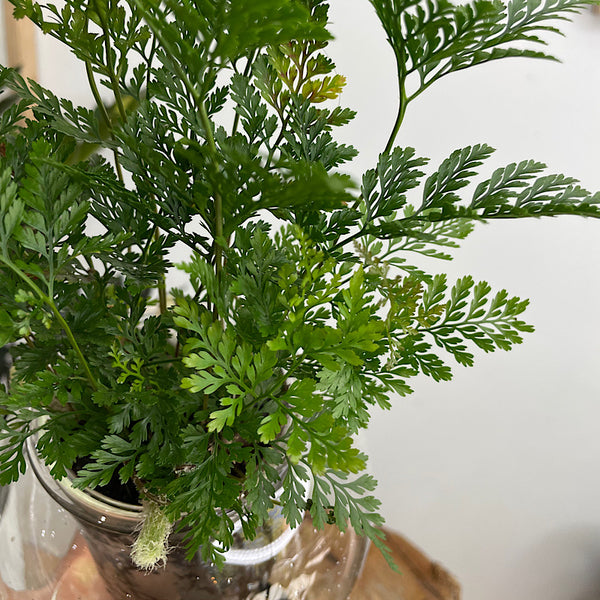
pixel 163 361
pixel 111 65
pixel 218 233
pixel 248 68
pixel 362 231
pixel 73 343
pixel 149 67
pixel 155 25
pixel 65 326
pixel 95 92
pixel 403 103
pixel 162 294
pixel 301 66
pixel 162 281
pixel 357 202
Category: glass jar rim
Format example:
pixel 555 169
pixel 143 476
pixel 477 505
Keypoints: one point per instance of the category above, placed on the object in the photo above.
pixel 90 506
pixel 106 513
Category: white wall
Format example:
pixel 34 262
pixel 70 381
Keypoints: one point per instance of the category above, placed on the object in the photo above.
pixel 493 474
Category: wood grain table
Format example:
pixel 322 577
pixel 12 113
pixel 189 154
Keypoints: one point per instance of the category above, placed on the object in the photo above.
pixel 419 578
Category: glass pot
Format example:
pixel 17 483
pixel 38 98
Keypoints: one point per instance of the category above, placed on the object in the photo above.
pixel 60 543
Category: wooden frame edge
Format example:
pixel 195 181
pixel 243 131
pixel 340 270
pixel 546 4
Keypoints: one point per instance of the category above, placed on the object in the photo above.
pixel 20 43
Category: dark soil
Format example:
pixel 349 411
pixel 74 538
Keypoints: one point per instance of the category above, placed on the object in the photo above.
pixel 116 490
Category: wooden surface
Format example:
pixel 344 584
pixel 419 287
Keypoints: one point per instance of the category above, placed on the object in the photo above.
pixel 19 40
pixel 419 577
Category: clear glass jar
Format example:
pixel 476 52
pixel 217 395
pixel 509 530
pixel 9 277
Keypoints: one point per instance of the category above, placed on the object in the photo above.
pixel 60 543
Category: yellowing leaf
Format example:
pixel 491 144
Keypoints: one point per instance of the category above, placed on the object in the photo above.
pixel 320 90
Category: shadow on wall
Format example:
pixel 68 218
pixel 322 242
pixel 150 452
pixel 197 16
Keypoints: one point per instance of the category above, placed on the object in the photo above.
pixel 564 565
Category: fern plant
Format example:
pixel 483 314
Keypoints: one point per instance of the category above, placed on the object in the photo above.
pixel 302 309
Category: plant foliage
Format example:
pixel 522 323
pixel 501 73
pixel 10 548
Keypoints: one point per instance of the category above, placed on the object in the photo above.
pixel 302 310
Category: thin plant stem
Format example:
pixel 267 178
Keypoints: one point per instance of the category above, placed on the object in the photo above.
pixel 65 326
pixel 402 104
pixel 247 69
pixel 111 65
pixel 154 25
pixel 218 231
pixel 96 93
pixel 403 101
